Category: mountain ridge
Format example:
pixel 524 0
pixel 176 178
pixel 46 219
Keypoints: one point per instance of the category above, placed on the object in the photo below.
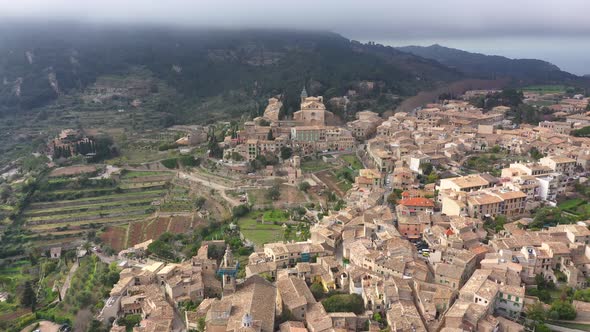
pixel 39 63
pixel 204 63
pixel 491 66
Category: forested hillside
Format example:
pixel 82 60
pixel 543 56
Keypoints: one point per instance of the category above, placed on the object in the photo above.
pixel 37 64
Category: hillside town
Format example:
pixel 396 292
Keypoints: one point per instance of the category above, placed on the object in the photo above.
pixel 424 241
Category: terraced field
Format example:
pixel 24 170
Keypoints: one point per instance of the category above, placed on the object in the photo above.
pixel 177 200
pixel 64 213
pixel 120 237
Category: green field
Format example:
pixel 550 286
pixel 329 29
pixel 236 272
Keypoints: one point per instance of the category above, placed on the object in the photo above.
pixel 312 166
pixel 88 207
pixel 275 215
pixel 352 161
pixel 140 174
pixel 545 88
pixel 577 206
pixel 260 233
pixel 142 185
pixel 113 197
pixel 263 227
pixel 571 204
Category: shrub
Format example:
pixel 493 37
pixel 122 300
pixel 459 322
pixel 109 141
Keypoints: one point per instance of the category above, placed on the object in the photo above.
pixel 189 161
pixel 167 146
pixel 129 321
pixel 170 163
pixel 317 290
pixel 304 186
pixel 240 210
pixel 345 303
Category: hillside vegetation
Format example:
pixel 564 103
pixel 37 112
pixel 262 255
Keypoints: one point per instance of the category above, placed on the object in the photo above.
pixel 38 64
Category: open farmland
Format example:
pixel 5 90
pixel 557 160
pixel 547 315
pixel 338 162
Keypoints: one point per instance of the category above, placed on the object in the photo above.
pixel 67 207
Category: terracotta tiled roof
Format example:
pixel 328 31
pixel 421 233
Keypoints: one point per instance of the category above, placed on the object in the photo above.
pixel 417 201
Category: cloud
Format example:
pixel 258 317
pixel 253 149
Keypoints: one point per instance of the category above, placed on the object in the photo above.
pixel 472 24
pixel 376 19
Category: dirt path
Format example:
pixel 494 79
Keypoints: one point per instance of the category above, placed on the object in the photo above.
pixel 44 326
pixel 66 285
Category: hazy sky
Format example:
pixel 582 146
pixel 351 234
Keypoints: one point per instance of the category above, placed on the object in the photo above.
pixel 553 30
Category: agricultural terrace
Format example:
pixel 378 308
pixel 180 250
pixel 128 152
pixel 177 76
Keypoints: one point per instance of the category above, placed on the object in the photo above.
pixel 579 207
pixel 120 237
pixel 545 89
pixel 64 207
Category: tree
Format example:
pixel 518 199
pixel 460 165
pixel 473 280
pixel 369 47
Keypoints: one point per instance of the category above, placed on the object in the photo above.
pixel 129 321
pixel 432 177
pixel 345 303
pixel 536 312
pixel 377 317
pixel 201 324
pixel 395 195
pixel 5 192
pixel 240 210
pixel 214 150
pixel 304 186
pixel 96 326
pixel 582 295
pixel 161 248
pixel 317 290
pixel 286 152
pixel 535 153
pixel 511 97
pixel 426 168
pixel 29 299
pixel 274 193
pixel 199 202
pixel 563 309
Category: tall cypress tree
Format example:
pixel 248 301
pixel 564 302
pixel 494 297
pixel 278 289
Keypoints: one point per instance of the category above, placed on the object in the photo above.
pixel 29 298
